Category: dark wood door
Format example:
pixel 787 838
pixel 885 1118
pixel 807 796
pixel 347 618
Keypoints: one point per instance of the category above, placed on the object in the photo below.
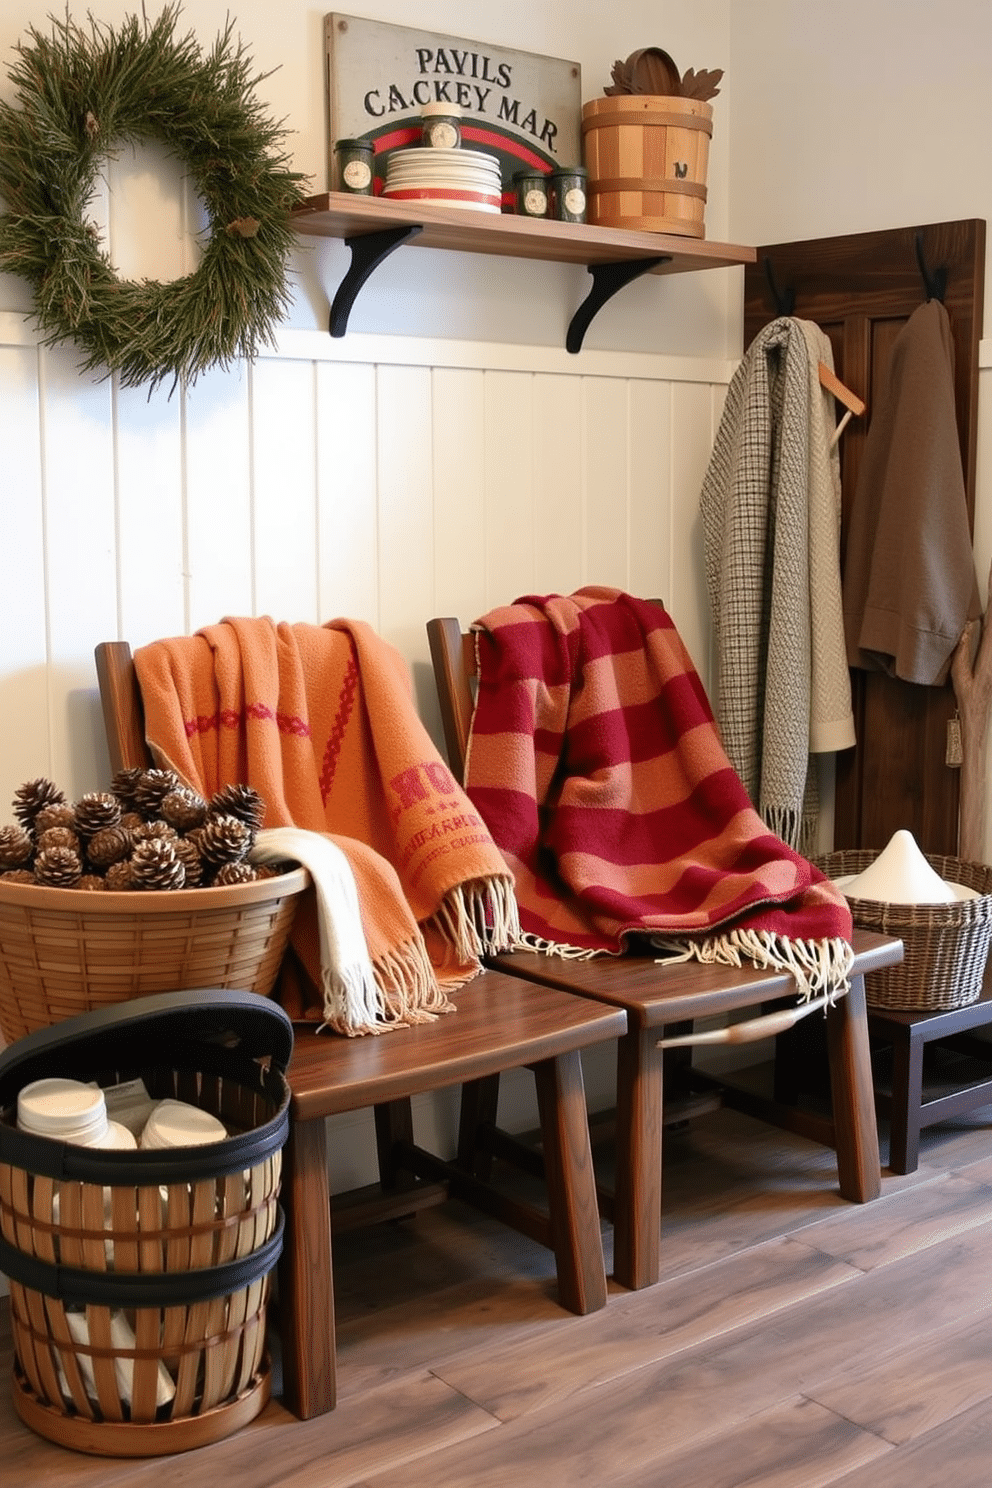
pixel 860 289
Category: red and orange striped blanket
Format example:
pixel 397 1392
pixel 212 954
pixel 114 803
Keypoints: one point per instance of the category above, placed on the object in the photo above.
pixel 596 763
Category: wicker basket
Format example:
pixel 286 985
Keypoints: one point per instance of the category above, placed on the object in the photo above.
pixel 67 951
pixel 946 946
pixel 139 1280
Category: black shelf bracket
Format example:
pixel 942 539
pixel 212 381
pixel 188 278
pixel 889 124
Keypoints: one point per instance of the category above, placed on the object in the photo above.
pixel 607 280
pixel 368 250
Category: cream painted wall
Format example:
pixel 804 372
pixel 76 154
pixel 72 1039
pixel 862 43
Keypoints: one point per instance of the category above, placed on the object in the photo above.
pixel 853 116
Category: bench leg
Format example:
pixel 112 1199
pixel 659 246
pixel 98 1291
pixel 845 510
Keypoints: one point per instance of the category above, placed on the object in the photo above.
pixel 479 1105
pixel 906 1103
pixel 571 1183
pixel 855 1130
pixel 637 1201
pixel 306 1282
pixel 393 1125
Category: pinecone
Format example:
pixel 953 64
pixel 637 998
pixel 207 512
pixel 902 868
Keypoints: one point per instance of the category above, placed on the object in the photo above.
pixel 33 797
pixel 92 882
pixel 183 809
pixel 152 788
pixel 234 873
pixel 110 845
pixel 241 801
pixel 143 831
pixel 63 815
pixel 186 851
pixel 132 820
pixel 154 865
pixel 58 837
pixel 124 784
pixel 119 877
pixel 58 868
pixel 16 847
pixel 18 875
pixel 96 810
pixel 222 839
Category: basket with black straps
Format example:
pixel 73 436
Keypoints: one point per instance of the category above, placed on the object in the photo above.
pixel 139 1280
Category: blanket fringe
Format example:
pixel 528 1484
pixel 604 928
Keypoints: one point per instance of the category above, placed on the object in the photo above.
pixel 406 992
pixel 409 986
pixel 351 1003
pixel 525 941
pixel 820 967
pixel 479 918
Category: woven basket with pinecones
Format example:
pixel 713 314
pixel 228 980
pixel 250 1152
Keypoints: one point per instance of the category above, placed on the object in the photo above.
pixel 173 901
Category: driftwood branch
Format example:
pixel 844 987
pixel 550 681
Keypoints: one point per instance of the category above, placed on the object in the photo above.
pixel 971 675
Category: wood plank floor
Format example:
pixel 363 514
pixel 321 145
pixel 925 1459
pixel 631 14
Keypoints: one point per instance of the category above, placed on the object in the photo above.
pixel 794 1341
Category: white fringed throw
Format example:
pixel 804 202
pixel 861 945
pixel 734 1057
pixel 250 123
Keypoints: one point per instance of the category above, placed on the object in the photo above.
pixel 351 997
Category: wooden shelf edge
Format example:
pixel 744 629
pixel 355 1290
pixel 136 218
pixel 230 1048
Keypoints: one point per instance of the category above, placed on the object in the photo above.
pixel 338 215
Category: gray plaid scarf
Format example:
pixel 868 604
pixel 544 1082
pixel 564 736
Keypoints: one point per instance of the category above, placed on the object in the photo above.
pixel 770 509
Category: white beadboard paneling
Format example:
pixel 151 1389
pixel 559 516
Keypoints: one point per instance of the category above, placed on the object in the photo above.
pixel 24 679
pixel 81 547
pixel 693 431
pixel 498 356
pixel 559 450
pixel 651 557
pixel 406 517
pixel 284 484
pixel 459 414
pixel 510 441
pixel 347 536
pixel 467 480
pixel 485 356
pixel 150 556
pixel 217 446
pixel 606 470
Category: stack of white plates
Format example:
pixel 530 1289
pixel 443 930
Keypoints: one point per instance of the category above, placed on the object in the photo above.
pixel 177 1124
pixel 453 178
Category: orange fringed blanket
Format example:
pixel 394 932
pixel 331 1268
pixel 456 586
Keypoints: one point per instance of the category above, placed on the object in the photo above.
pixel 320 721
pixel 595 761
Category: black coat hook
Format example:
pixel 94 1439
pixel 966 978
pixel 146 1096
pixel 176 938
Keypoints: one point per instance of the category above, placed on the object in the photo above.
pixel 785 299
pixel 934 282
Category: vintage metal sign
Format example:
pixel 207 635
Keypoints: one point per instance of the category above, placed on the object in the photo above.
pixel 523 108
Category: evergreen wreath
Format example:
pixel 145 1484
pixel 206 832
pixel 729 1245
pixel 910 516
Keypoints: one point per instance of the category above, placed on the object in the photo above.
pixel 81 93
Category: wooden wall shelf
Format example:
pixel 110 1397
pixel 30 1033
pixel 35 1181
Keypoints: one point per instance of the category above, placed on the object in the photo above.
pixel 373 228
